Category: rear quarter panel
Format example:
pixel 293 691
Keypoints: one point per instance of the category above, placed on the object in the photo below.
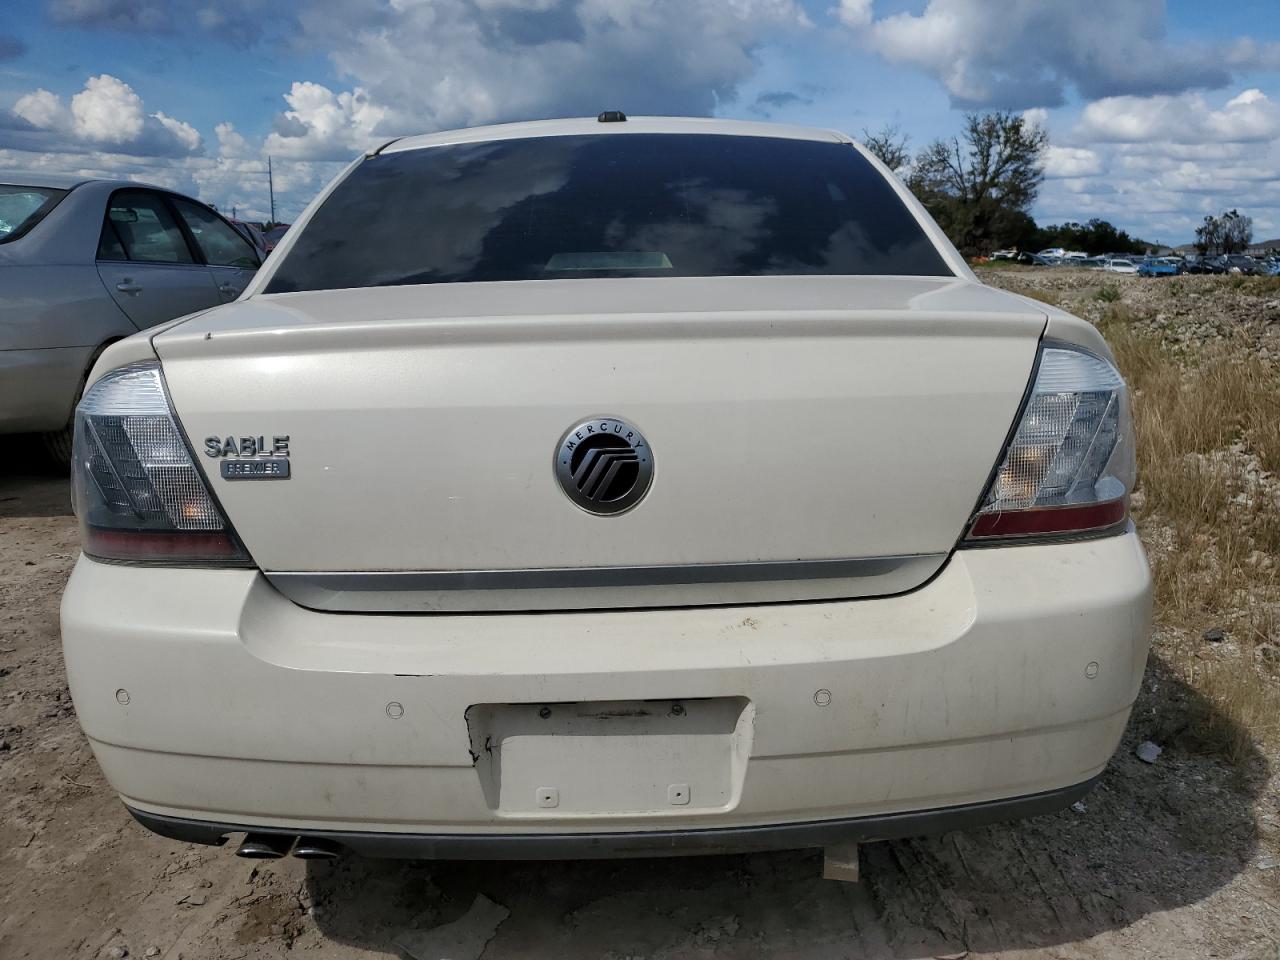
pixel 53 319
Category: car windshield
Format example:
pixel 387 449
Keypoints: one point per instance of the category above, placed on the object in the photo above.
pixel 613 205
pixel 21 208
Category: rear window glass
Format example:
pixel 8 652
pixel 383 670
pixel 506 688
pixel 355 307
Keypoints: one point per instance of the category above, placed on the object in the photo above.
pixel 617 205
pixel 21 208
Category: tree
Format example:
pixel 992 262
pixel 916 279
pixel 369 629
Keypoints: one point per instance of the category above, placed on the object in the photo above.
pixel 979 186
pixel 1230 233
pixel 1095 237
pixel 889 146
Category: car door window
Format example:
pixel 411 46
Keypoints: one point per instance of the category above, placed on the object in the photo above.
pixel 221 245
pixel 144 230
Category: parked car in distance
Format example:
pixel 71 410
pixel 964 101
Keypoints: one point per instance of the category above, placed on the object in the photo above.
pixel 253 233
pixel 1119 265
pixel 1202 265
pixel 1239 263
pixel 1004 255
pixel 1158 267
pixel 275 235
pixel 84 263
pixel 500 534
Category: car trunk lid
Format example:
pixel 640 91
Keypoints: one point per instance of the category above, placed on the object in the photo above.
pixel 812 437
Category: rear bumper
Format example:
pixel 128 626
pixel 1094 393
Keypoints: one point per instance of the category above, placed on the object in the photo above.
pixel 210 698
pixel 646 843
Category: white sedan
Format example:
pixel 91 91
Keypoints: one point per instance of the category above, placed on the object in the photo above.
pixel 1119 265
pixel 598 488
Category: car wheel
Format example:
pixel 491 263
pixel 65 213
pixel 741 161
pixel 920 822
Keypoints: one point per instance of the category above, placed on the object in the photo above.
pixel 58 444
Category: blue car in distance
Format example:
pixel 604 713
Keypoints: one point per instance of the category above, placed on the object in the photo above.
pixel 1158 267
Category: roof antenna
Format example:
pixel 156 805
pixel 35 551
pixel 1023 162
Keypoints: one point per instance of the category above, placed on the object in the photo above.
pixel 612 116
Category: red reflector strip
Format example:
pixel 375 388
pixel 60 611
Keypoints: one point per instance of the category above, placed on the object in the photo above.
pixel 1044 520
pixel 157 545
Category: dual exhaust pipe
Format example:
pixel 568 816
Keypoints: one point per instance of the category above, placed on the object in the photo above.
pixel 273 846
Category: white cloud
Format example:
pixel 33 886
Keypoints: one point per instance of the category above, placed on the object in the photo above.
pixel 42 109
pixel 1156 165
pixel 107 110
pixel 184 133
pixel 418 66
pixel 1151 151
pixel 106 114
pixel 854 13
pixel 405 66
pixel 1185 119
pixel 231 143
pixel 997 53
pixel 228 183
pixel 1065 162
pixel 536 6
pixel 320 124
pixel 1037 117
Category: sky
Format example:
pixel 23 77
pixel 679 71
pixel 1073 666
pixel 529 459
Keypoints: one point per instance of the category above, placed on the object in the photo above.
pixel 1158 113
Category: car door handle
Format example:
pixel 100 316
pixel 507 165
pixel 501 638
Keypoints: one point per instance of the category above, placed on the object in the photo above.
pixel 128 286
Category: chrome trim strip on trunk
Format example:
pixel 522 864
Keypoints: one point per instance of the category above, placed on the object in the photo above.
pixel 600 587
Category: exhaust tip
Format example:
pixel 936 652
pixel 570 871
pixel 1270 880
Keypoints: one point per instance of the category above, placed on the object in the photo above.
pixel 316 848
pixel 264 846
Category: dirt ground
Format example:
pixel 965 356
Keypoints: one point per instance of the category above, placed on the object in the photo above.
pixel 1175 859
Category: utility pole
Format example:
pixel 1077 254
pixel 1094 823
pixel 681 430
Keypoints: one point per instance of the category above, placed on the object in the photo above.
pixel 270 187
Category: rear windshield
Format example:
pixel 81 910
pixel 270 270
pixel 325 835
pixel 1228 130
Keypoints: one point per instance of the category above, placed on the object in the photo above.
pixel 619 205
pixel 21 208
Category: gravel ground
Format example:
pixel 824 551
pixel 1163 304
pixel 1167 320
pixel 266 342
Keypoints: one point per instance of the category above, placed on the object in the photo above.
pixel 1176 859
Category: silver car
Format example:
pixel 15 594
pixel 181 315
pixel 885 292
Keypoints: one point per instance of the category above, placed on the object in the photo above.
pixel 84 263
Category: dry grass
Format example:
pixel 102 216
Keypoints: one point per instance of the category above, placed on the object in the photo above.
pixel 1208 457
pixel 1254 286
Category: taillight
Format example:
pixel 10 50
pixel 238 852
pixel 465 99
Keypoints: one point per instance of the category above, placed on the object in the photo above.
pixel 1069 468
pixel 138 494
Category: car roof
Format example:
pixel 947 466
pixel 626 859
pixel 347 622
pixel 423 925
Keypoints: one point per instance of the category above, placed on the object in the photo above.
pixel 58 181
pixel 590 125
pixel 66 181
